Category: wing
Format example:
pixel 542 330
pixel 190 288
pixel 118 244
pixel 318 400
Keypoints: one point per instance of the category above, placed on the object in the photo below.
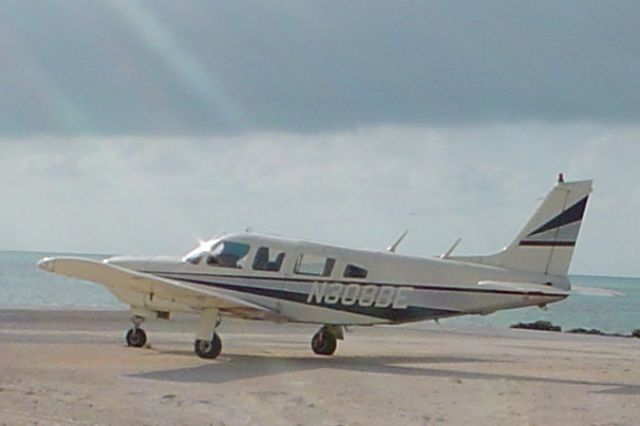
pixel 115 277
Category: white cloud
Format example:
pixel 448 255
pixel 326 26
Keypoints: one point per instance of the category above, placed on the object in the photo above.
pixel 157 195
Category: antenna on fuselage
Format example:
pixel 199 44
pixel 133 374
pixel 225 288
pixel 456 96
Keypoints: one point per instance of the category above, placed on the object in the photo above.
pixel 392 248
pixel 447 253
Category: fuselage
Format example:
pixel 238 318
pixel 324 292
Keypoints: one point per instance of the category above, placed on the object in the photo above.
pixel 317 283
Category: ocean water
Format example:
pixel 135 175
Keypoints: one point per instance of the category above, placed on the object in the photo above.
pixel 23 284
pixel 611 314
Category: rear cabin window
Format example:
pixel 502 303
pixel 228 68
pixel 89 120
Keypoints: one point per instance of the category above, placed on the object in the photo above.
pixel 267 259
pixel 309 264
pixel 353 271
pixel 228 254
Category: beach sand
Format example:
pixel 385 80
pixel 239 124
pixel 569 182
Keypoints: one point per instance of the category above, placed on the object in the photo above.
pixel 70 367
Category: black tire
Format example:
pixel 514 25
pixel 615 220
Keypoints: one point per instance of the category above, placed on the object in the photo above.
pixel 324 343
pixel 136 338
pixel 208 349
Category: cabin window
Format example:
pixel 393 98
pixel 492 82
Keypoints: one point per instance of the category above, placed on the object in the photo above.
pixel 268 260
pixel 353 271
pixel 309 264
pixel 228 254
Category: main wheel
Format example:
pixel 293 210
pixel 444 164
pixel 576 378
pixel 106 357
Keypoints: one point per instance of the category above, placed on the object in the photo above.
pixel 136 337
pixel 324 343
pixel 209 349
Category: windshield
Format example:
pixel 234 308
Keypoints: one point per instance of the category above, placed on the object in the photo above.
pixel 197 254
pixel 228 254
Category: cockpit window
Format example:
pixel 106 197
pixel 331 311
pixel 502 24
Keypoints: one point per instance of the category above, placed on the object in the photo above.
pixel 228 254
pixel 268 260
pixel 353 271
pixel 309 264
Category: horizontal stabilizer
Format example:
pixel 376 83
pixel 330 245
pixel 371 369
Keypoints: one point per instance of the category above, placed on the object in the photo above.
pixel 593 291
pixel 528 288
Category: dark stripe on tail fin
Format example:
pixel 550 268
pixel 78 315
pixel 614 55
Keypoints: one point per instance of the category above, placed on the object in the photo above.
pixel 547 243
pixel 571 215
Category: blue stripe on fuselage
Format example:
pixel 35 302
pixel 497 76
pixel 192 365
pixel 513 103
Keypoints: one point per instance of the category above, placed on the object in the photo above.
pixel 410 313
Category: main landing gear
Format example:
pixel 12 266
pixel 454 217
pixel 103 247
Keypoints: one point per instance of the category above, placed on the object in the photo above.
pixel 325 341
pixel 208 344
pixel 208 349
pixel 136 337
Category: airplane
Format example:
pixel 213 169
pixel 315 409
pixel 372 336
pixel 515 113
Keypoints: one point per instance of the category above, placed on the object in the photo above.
pixel 263 277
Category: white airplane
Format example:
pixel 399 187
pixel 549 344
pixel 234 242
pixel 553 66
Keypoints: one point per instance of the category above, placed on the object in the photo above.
pixel 280 279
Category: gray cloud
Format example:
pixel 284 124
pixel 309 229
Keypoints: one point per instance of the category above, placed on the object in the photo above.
pixel 177 68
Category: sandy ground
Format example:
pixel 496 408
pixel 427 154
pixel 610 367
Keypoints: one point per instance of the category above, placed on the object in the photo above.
pixel 72 368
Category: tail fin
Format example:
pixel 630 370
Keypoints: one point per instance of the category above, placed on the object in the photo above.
pixel 546 243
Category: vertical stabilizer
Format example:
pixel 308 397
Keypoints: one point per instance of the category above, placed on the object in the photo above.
pixel 546 243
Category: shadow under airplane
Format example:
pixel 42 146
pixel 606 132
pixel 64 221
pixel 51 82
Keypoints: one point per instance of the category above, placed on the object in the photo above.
pixel 234 367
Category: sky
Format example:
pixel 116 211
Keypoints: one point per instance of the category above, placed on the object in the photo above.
pixel 140 127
